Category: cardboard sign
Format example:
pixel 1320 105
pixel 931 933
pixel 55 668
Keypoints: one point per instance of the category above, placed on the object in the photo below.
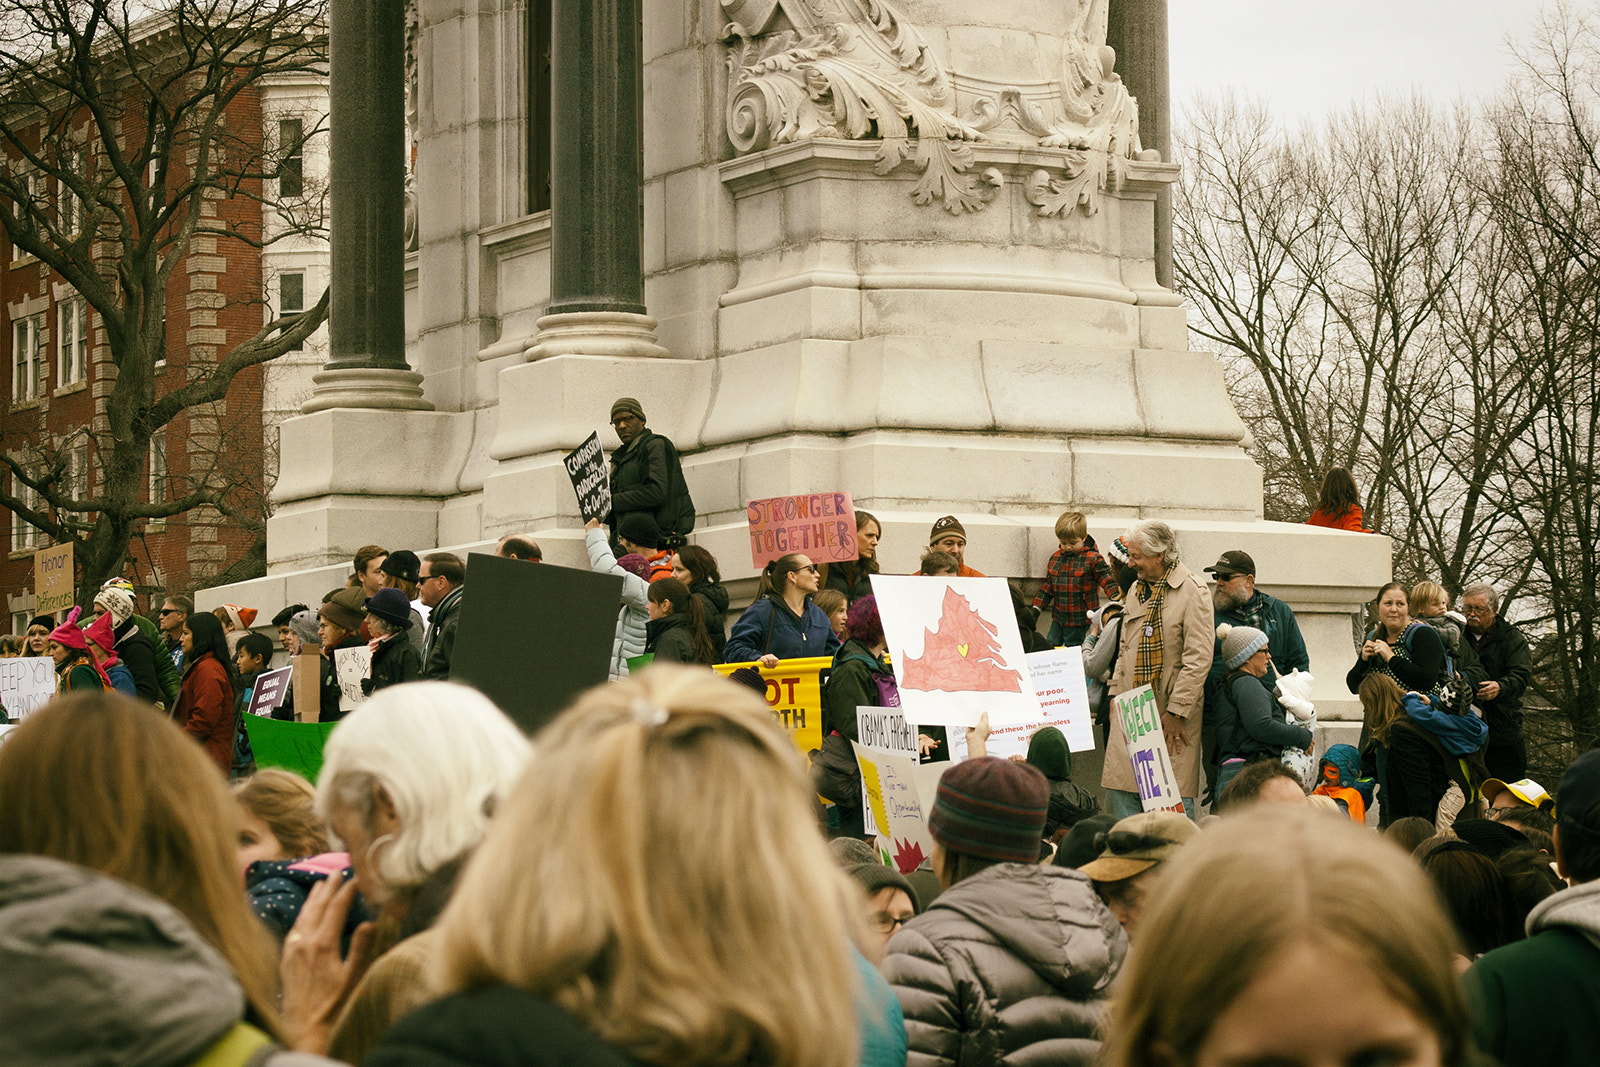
pixel 352 665
pixel 26 685
pixel 586 466
pixel 896 801
pixel 956 650
pixel 270 689
pixel 794 693
pixel 821 525
pixel 294 746
pixel 1147 749
pixel 307 685
pixel 52 579
pixel 532 638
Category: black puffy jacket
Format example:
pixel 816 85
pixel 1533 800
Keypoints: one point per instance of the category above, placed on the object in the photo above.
pixel 647 476
pixel 713 597
pixel 1010 966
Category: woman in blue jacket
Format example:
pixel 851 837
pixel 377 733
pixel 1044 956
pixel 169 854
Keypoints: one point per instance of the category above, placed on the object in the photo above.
pixel 783 623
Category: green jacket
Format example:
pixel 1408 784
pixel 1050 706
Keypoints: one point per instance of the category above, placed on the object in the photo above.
pixel 850 686
pixel 1536 1002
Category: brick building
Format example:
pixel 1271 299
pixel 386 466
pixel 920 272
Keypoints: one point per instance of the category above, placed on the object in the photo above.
pixel 221 293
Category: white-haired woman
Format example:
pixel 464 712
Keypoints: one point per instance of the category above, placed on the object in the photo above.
pixel 409 781
pixel 653 891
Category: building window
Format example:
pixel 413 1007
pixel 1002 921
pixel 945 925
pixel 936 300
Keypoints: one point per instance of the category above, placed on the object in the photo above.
pixel 291 170
pixel 72 341
pixel 292 297
pixel 24 535
pixel 35 185
pixel 27 364
pixel 70 212
pixel 158 476
pixel 76 482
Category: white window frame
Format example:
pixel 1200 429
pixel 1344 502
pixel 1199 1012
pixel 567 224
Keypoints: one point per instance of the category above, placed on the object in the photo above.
pixel 24 535
pixel 76 482
pixel 27 352
pixel 71 211
pixel 284 307
pixel 72 341
pixel 292 129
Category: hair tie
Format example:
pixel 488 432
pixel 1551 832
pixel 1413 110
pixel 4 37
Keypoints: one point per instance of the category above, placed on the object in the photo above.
pixel 647 714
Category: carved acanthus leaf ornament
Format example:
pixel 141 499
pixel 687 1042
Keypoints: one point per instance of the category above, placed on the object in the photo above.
pixel 856 69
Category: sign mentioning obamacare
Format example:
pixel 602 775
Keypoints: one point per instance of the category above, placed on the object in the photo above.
pixel 586 466
pixel 1147 748
pixel 820 525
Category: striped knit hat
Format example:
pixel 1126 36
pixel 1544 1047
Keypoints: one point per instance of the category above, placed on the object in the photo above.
pixel 991 808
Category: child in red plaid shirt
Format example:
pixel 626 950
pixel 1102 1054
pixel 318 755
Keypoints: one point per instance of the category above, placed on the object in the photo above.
pixel 1073 579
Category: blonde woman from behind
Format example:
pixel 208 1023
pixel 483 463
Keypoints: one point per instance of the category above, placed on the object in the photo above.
pixel 1346 958
pixel 654 890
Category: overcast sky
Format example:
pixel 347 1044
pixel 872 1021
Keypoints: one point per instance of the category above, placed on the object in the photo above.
pixel 1307 58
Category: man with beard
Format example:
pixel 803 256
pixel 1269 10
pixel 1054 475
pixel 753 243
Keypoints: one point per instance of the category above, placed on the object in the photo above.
pixel 1236 600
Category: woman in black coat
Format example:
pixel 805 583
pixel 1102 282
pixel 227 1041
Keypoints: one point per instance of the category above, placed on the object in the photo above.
pixel 676 632
pixel 394 660
pixel 697 569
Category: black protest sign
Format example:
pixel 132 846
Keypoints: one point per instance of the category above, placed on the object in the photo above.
pixel 586 466
pixel 533 636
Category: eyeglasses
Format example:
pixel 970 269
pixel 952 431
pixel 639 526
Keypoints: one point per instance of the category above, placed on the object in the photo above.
pixel 812 567
pixel 881 922
pixel 1122 842
pixel 170 611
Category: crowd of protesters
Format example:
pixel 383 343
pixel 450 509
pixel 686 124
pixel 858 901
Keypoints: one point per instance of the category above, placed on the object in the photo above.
pixel 654 879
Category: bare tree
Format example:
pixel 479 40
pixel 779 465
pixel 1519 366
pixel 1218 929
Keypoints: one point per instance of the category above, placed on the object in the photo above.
pixel 127 133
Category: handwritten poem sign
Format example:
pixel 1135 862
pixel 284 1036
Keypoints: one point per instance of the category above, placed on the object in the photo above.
pixel 270 689
pixel 1147 748
pixel 26 685
pixel 52 579
pixel 586 466
pixel 820 525
pixel 896 802
pixel 352 665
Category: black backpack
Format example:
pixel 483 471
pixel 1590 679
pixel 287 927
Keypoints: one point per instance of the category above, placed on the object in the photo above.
pixel 676 514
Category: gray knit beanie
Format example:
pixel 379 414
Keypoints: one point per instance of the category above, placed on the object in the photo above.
pixel 1239 643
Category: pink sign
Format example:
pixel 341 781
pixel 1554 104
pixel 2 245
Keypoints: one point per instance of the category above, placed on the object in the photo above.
pixel 821 526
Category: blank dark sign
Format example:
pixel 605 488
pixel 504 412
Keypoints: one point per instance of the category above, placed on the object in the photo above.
pixel 533 636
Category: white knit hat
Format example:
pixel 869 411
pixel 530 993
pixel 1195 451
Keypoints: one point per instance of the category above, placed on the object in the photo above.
pixel 1239 643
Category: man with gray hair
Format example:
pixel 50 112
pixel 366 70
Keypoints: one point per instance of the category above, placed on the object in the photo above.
pixel 1167 643
pixel 1507 660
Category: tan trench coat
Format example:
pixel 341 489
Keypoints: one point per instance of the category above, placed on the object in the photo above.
pixel 1186 647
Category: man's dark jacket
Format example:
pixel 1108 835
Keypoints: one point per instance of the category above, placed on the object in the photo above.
pixel 647 476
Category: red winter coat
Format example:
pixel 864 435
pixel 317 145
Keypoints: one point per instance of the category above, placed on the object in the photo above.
pixel 205 709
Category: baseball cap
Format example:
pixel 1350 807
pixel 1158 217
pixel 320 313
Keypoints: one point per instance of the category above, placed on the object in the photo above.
pixel 1526 790
pixel 1137 843
pixel 1232 563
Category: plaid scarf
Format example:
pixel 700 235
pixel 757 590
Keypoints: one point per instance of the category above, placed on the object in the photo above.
pixel 1254 612
pixel 1147 661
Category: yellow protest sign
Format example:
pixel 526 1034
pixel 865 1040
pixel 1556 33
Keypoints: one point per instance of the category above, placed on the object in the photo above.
pixel 53 579
pixel 874 788
pixel 794 693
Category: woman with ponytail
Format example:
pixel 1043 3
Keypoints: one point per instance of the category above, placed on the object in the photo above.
pixel 783 623
pixel 676 632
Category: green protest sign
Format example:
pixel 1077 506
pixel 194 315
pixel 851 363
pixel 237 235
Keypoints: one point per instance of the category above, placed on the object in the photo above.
pixel 294 746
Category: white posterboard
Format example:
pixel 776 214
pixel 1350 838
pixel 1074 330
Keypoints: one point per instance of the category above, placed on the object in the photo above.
pixel 352 665
pixel 1147 749
pixel 883 730
pixel 26 684
pixel 956 650
pixel 895 797
pixel 1063 703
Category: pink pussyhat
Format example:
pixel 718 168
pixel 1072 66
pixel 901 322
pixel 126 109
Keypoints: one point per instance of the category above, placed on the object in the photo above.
pixel 68 635
pixel 101 633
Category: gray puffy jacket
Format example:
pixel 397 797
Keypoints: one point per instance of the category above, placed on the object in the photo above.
pixel 633 616
pixel 1011 966
pixel 100 974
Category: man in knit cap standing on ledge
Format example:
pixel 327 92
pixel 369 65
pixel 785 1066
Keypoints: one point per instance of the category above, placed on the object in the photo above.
pixel 1013 961
pixel 646 475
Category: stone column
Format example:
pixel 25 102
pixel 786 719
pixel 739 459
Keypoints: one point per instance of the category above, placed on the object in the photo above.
pixel 597 282
pixel 1137 29
pixel 367 366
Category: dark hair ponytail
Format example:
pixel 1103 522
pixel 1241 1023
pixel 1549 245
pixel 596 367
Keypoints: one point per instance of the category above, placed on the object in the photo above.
pixel 673 592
